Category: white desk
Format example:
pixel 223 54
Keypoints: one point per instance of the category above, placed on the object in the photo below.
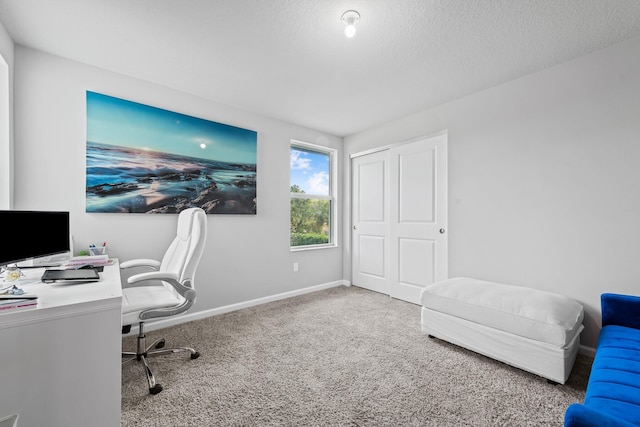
pixel 60 363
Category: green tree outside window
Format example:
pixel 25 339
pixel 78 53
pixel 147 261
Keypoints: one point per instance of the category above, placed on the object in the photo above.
pixel 311 201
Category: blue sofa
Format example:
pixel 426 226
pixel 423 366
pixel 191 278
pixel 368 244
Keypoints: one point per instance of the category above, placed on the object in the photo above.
pixel 613 391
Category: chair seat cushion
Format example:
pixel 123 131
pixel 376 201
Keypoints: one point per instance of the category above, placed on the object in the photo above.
pixel 141 298
pixel 530 313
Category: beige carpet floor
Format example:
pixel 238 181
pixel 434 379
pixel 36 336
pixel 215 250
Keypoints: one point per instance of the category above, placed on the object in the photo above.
pixel 343 356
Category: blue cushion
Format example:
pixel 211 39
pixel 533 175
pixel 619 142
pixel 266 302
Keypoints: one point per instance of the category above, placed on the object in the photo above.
pixel 583 416
pixel 613 392
pixel 620 310
pixel 619 336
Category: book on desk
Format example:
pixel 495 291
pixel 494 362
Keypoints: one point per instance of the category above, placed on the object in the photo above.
pixel 18 301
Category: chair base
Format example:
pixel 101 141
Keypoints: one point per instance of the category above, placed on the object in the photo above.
pixel 155 349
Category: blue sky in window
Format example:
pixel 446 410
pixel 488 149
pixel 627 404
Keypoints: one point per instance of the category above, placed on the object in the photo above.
pixel 310 171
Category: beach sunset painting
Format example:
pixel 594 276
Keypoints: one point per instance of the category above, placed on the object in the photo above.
pixel 143 159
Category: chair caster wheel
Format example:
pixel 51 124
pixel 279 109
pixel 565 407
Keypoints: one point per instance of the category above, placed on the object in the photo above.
pixel 195 355
pixel 155 389
pixel 160 345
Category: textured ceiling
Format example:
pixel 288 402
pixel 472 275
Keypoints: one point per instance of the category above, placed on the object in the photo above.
pixel 290 60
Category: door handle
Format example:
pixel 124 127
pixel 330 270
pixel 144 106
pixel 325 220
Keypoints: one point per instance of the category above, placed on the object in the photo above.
pixel 354 227
pixel 442 231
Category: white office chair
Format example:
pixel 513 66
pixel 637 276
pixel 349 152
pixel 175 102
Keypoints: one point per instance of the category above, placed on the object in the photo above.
pixel 167 290
pixel 10 421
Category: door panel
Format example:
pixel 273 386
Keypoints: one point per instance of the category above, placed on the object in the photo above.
pixel 370 204
pixel 371 195
pixel 418 213
pixel 372 255
pixel 415 262
pixel 416 182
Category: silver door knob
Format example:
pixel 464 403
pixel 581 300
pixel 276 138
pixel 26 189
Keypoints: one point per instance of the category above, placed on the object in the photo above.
pixel 442 231
pixel 354 227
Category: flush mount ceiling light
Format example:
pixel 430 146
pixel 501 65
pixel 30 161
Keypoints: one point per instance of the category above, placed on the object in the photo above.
pixel 350 18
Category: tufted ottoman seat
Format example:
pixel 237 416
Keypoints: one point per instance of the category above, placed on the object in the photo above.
pixel 530 329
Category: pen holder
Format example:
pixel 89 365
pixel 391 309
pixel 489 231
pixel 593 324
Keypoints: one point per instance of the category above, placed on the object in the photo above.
pixel 97 250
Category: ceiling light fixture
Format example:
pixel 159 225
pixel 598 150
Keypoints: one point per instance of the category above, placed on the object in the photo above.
pixel 350 18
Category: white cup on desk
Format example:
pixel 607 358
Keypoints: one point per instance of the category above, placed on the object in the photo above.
pixel 98 250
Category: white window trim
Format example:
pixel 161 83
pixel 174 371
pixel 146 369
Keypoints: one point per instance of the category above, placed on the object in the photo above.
pixel 6 150
pixel 333 194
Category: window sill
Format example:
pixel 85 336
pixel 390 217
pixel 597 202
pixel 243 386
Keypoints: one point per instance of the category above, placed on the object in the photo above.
pixel 311 247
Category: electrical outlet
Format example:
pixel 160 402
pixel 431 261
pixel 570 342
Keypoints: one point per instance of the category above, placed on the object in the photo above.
pixel 295 266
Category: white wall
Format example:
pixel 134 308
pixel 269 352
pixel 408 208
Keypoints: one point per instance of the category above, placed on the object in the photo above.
pixel 246 257
pixel 6 133
pixel 544 187
pixel 544 178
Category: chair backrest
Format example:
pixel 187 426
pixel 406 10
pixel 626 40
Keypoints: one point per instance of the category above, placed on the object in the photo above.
pixel 10 421
pixel 184 253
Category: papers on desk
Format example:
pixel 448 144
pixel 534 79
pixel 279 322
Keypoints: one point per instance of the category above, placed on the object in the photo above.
pixel 18 301
pixel 13 297
pixel 95 260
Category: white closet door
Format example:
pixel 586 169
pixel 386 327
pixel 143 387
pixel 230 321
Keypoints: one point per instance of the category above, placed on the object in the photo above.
pixel 370 221
pixel 399 207
pixel 418 217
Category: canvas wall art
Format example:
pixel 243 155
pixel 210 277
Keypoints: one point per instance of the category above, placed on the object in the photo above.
pixel 143 159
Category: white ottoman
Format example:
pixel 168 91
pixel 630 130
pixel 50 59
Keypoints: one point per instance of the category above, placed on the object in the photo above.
pixel 533 330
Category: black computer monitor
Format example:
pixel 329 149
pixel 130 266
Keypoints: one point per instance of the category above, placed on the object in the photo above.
pixel 29 235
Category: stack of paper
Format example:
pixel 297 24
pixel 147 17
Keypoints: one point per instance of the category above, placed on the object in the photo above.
pixel 94 260
pixel 18 301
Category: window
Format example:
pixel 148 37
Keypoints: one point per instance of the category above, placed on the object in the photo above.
pixel 313 206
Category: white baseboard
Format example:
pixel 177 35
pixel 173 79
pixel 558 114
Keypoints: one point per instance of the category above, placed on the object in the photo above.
pixel 164 323
pixel 587 351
